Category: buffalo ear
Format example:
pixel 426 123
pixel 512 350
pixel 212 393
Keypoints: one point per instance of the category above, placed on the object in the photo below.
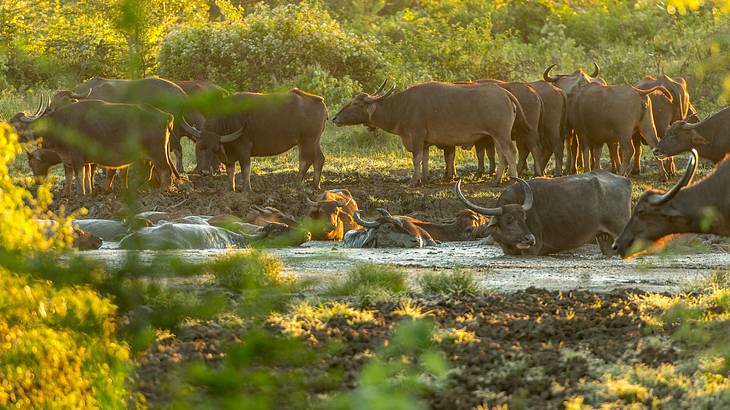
pixel 671 212
pixel 492 226
pixel 698 139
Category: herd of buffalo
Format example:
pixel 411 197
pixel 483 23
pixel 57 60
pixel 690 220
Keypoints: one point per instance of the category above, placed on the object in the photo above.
pixel 115 124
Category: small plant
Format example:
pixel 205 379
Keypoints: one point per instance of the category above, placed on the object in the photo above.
pixel 458 282
pixel 248 271
pixel 371 282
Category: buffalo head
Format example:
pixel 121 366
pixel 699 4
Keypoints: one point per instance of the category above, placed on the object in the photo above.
pixel 361 108
pixel 471 224
pixel 679 137
pixel 570 82
pixel 656 216
pixel 275 234
pixel 388 231
pixel 209 144
pixel 22 121
pixel 508 225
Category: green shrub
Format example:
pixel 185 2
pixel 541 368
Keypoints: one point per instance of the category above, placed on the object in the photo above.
pixel 248 271
pixel 274 48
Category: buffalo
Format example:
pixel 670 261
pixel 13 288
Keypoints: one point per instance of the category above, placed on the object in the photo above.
pixel 258 215
pixel 554 123
pixel 682 108
pixel 387 231
pixel 709 137
pixel 444 115
pixel 466 226
pixel 545 216
pixel 156 92
pixel 107 134
pixel 261 125
pixel 699 208
pixel 332 213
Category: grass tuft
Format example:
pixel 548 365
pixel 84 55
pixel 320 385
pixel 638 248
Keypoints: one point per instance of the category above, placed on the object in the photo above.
pixel 457 282
pixel 248 271
pixel 371 282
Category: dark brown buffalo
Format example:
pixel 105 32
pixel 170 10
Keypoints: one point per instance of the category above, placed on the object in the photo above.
pixel 528 141
pixel 569 83
pixel 199 87
pixel 709 137
pixel 662 109
pixel 544 216
pixel 107 134
pixel 609 114
pixel 333 211
pixel 700 208
pixel 156 92
pixel 444 115
pixel 554 122
pixel 387 231
pixel 262 125
pixel 682 107
pixel 466 226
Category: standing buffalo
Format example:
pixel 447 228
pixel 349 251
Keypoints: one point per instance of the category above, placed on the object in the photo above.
pixel 156 92
pixel 701 208
pixel 387 232
pixel 441 114
pixel 609 114
pixel 545 216
pixel 709 137
pixel 554 122
pixel 682 107
pixel 332 212
pixel 110 135
pixel 261 125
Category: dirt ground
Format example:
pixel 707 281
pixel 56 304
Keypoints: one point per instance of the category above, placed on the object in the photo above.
pixel 531 349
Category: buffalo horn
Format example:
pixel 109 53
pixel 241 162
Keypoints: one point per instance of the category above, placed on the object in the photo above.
pixel 546 75
pixel 473 207
pixel 260 234
pixel 597 70
pixel 81 97
pixel 312 203
pixel 659 199
pixel 529 198
pixel 387 93
pixel 259 209
pixel 40 108
pixel 382 86
pixel 362 222
pixel 384 212
pixel 189 128
pixel 232 136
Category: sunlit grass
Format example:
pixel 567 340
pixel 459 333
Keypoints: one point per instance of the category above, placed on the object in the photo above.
pixel 456 282
pixel 370 282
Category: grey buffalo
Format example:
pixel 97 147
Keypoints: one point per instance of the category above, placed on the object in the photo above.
pixel 387 231
pixel 545 216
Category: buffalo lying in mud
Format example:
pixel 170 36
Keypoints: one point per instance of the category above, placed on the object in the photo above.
pixel 387 231
pixel 83 240
pixel 466 226
pixel 710 137
pixel 545 216
pixel 331 214
pixel 170 235
pixel 700 208
pixel 262 125
pixel 96 132
pixel 444 115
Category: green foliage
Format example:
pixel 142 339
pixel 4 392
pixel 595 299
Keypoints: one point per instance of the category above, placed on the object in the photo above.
pixel 456 282
pixel 370 282
pixel 274 48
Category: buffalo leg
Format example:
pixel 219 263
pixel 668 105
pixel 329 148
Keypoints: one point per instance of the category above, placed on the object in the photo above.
pixel 450 159
pixel 163 171
pixel 68 174
pixel 306 160
pixel 417 150
pixel 489 149
pixel 508 158
pixel 231 174
pixel 522 152
pixel 176 148
pixel 636 169
pixel 111 173
pixel 245 161
pixel 585 151
pixel 626 149
pixel 318 165
pixel 480 159
pixel 78 170
pixel 574 153
pixel 596 153
pixel 424 163
pixel 604 242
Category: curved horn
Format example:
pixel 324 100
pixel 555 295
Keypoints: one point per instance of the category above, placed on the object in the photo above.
pixel 189 128
pixel 387 93
pixel 384 212
pixel 475 208
pixel 312 203
pixel 258 208
pixel 232 136
pixel 529 197
pixel 381 87
pixel 546 75
pixel 658 199
pixel 260 234
pixel 361 222
pixel 596 71
pixel 81 97
pixel 39 110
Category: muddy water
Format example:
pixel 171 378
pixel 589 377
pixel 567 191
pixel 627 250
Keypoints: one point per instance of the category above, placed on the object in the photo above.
pixel 584 268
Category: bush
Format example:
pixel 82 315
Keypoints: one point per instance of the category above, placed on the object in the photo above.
pixel 248 271
pixel 371 282
pixel 274 48
pixel 458 282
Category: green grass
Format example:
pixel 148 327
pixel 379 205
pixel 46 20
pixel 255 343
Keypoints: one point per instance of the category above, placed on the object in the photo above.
pixel 368 282
pixel 456 282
